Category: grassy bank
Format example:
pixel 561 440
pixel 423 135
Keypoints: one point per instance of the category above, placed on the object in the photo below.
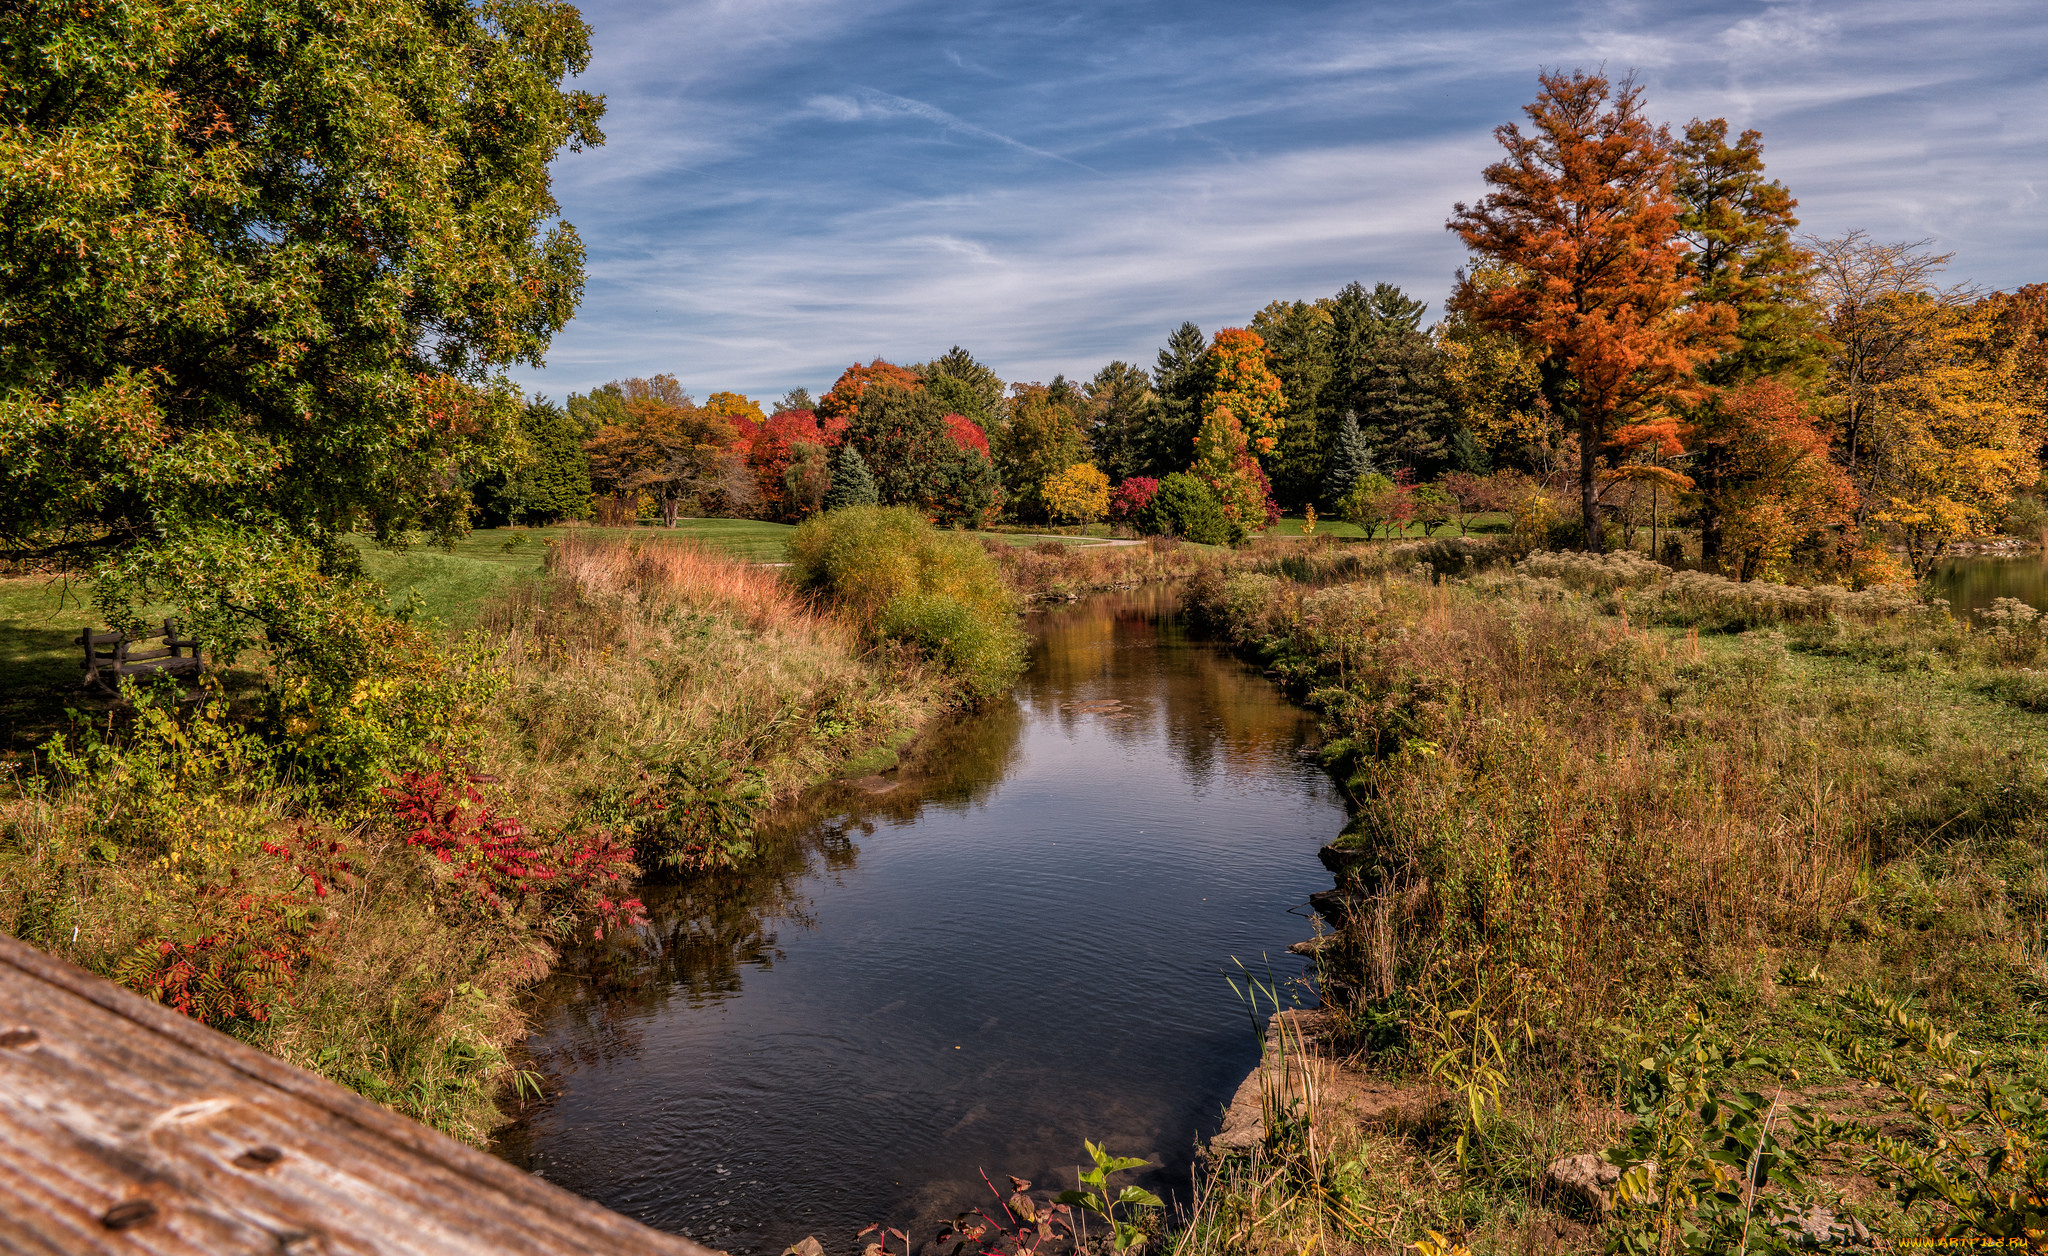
pixel 1627 842
pixel 364 886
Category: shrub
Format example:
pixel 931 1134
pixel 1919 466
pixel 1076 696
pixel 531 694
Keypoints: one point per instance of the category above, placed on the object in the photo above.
pixel 904 580
pixel 1186 507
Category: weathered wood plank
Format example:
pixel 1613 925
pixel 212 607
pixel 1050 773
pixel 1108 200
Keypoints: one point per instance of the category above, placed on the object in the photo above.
pixel 127 1128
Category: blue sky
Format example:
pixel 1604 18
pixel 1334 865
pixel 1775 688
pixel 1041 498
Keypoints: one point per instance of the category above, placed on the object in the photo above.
pixel 792 185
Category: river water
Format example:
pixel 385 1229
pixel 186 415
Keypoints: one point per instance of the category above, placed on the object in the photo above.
pixel 1021 945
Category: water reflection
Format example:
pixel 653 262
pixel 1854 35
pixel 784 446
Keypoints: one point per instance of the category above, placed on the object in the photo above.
pixel 1971 584
pixel 1017 946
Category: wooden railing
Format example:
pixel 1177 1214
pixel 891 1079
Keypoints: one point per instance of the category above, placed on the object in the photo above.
pixel 125 1127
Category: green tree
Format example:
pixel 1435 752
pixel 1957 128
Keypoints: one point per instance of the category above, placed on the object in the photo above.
pixel 1739 228
pixel 1181 381
pixel 1186 507
pixel 1387 370
pixel 551 481
pixel 264 264
pixel 1121 410
pixel 796 399
pixel 901 435
pixel 852 484
pixel 1298 350
pixel 1350 457
pixel 964 386
pixel 1043 437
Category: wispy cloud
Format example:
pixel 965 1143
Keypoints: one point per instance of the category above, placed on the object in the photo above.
pixel 794 184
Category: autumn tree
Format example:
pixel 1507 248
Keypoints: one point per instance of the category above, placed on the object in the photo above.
pixel 1044 437
pixel 261 270
pixel 1224 462
pixel 1955 428
pixel 1784 505
pixel 1880 304
pixel 1241 383
pixel 902 437
pixel 1080 493
pixel 668 448
pixel 772 451
pixel 1493 380
pixel 1583 208
pixel 853 383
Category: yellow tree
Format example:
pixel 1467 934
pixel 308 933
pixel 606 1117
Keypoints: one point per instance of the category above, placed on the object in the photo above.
pixel 1245 386
pixel 1079 493
pixel 1954 430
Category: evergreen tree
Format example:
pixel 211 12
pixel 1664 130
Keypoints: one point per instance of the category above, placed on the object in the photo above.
pixel 964 386
pixel 1387 369
pixel 553 484
pixel 1121 406
pixel 1297 336
pixel 1468 455
pixel 796 399
pixel 852 483
pixel 1181 379
pixel 1350 457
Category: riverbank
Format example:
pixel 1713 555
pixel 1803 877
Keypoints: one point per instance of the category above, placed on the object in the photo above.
pixel 1625 837
pixel 635 705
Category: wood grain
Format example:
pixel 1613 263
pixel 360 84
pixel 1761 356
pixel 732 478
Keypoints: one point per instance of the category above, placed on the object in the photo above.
pixel 127 1128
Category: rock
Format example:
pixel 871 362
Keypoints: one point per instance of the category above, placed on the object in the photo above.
pixel 1337 905
pixel 1820 1227
pixel 807 1246
pixel 1339 860
pixel 1584 1183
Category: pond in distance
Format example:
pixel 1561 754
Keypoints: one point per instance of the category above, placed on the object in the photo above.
pixel 1021 945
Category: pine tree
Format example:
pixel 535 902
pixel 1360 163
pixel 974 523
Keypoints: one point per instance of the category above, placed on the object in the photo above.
pixel 1350 457
pixel 852 484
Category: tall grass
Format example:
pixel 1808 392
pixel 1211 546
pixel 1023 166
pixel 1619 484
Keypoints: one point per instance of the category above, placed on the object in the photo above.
pixel 1571 818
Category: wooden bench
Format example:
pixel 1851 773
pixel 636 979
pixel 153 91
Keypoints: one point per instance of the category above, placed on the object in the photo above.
pixel 113 654
pixel 125 1128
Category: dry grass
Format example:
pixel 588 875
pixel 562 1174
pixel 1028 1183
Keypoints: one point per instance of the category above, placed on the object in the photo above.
pixel 1051 571
pixel 1570 824
pixel 633 655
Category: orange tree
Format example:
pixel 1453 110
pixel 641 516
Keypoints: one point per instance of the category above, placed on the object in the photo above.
pixel 853 383
pixel 1783 505
pixel 1242 383
pixel 1583 209
pixel 260 268
pixel 673 452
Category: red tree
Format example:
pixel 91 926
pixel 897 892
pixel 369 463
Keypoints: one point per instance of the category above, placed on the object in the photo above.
pixel 966 433
pixel 774 446
pixel 1583 209
pixel 846 392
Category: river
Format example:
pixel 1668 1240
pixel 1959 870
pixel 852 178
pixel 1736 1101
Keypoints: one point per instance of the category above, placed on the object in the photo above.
pixel 1020 945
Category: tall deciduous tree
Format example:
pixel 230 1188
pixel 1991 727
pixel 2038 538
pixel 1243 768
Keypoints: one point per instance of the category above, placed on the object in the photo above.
pixel 674 451
pixel 1044 437
pixel 1583 208
pixel 1880 304
pixel 261 266
pixel 1241 384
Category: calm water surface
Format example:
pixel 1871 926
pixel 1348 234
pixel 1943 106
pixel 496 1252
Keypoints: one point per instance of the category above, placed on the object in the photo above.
pixel 1020 946
pixel 1972 583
